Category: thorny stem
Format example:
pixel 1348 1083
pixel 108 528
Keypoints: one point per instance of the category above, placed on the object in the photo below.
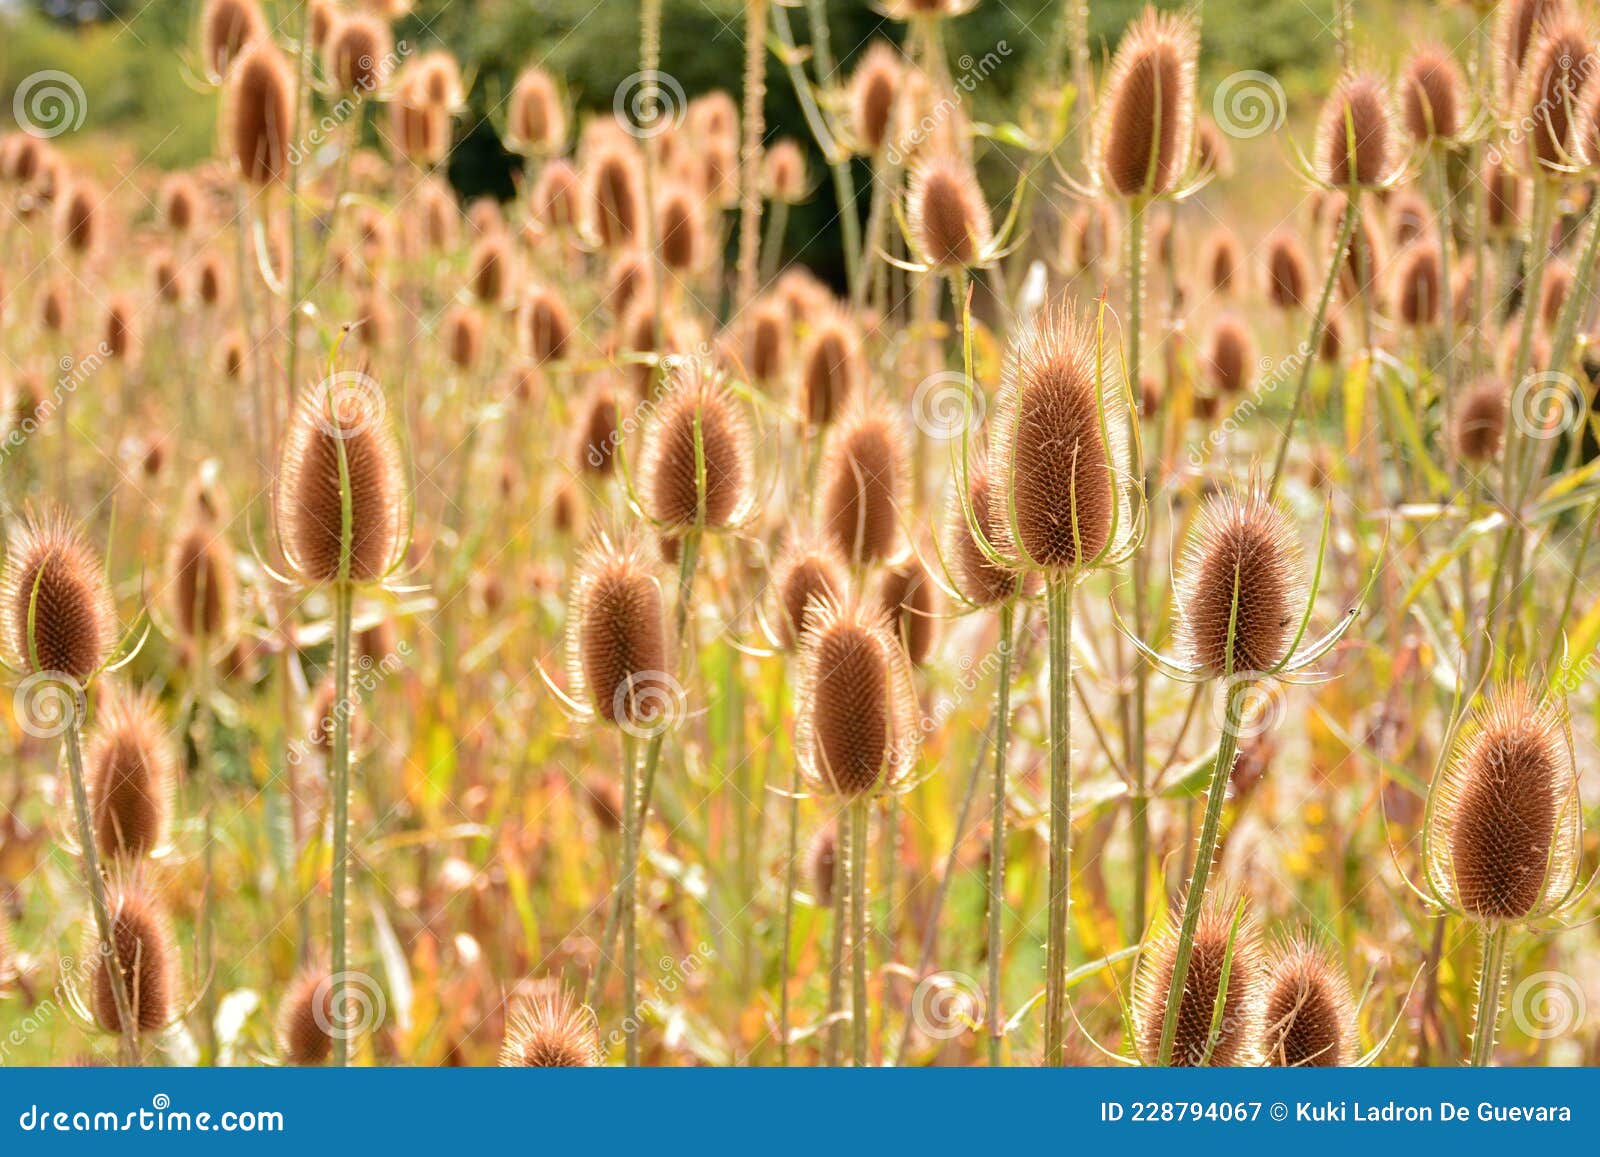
pixel 844 188
pixel 841 913
pixel 343 603
pixel 650 65
pixel 1194 898
pixel 1139 817
pixel 1490 974
pixel 627 887
pixel 997 835
pixel 793 845
pixel 858 929
pixel 1059 619
pixel 755 93
pixel 202 745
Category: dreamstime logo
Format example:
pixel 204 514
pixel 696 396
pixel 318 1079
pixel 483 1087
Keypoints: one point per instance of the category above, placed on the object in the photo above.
pixel 945 404
pixel 1546 405
pixel 49 103
pixel 47 703
pixel 348 404
pixel 1559 98
pixel 647 703
pixel 1548 1004
pixel 363 1005
pixel 973 71
pixel 947 1004
pixel 1261 708
pixel 1248 104
pixel 647 110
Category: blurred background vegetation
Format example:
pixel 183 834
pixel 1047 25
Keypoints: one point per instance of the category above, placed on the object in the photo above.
pixel 122 52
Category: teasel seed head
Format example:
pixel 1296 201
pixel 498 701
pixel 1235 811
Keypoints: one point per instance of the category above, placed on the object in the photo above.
pixel 911 602
pixel 1146 118
pixel 55 307
pixel 359 54
pixel 822 863
pixel 181 203
pixel 56 614
pixel 227 28
pixel 167 277
pixel 536 119
pixel 874 88
pixel 201 584
pixel 1433 95
pixel 343 413
pixel 1310 1015
pixel 491 264
pixel 1504 198
pixel 1244 544
pixel 419 127
pixel 949 220
pixel 146 954
pixel 463 336
pixel 1230 355
pixel 1558 61
pixel 1418 286
pixel 306 1017
pixel 809 571
pixel 1288 271
pixel 615 203
pixel 130 769
pixel 1237 1039
pixel 766 341
pixel 977 578
pixel 783 172
pixel 681 229
pixel 548 1028
pixel 556 201
pixel 120 336
pixel 211 286
pixel 603 796
pixel 1356 145
pixel 856 730
pixel 546 324
pixel 79 217
pixel 1211 151
pixel 1585 146
pixel 1518 24
pixel 831 370
pixel 598 431
pixel 260 113
pixel 1506 826
pixel 1221 259
pixel 696 405
pixel 1410 219
pixel 1058 483
pixel 864 480
pixel 616 633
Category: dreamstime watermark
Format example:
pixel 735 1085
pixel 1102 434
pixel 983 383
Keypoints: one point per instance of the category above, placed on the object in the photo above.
pixel 73 374
pixel 648 703
pixel 49 103
pixel 71 974
pixel 48 704
pixel 646 109
pixel 160 1117
pixel 1546 405
pixel 1272 375
pixel 1563 95
pixel 1261 708
pixel 372 77
pixel 674 974
pixel 946 404
pixel 973 72
pixel 360 1009
pixel 348 404
pixel 1549 1004
pixel 947 1004
pixel 1248 104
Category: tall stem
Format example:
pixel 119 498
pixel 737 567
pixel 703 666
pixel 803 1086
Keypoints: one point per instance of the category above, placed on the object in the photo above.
pixel 1059 616
pixel 1491 972
pixel 755 95
pixel 1194 897
pixel 858 929
pixel 1139 817
pixel 844 187
pixel 343 605
pixel 201 682
pixel 841 914
pixel 997 836
pixel 791 854
pixel 628 892
pixel 650 65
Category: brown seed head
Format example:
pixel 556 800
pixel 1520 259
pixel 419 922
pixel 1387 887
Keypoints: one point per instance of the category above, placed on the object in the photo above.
pixel 181 203
pixel 1230 355
pixel 260 113
pixel 874 87
pixel 120 335
pixel 822 863
pixel 616 635
pixel 492 272
pixel 546 324
pixel 418 126
pixel 556 201
pixel 1503 196
pixel 130 769
pixel 1356 143
pixel 1418 289
pixel 1310 1016
pixel 359 54
pixel 1218 939
pixel 80 217
pixel 766 341
pixel 463 336
pixel 1221 259
pixel 227 27
pixel 949 219
pixel 1433 95
pixel 306 1020
pixel 1245 551
pixel 1410 219
pixel 56 613
pixel 146 956
pixel 603 795
pixel 536 119
pixel 831 370
pixel 697 432
pixel 615 204
pixel 212 283
pixel 200 583
pixel 55 307
pixel 783 172
pixel 1288 271
pixel 681 229
pixel 911 602
pixel 864 478
pixel 978 579
pixel 342 417
pixel 809 571
pixel 598 434
pixel 547 1028
pixel 1146 117
pixel 1519 23
pixel 1560 59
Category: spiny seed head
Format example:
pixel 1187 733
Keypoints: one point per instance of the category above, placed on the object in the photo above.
pixel 120 334
pixel 536 120
pixel 616 633
pixel 1222 935
pixel 1433 95
pixel 55 603
pixel 864 480
pixel 1146 117
pixel 418 126
pixel 1410 219
pixel 1221 258
pixel 1230 355
pixel 1586 129
pixel 856 732
pixel 766 341
pixel 1246 551
pixel 463 336
pixel 1503 196
pixel 1418 285
pixel 260 113
pixel 874 87
pixel 627 282
pixel 1211 151
pixel 1057 487
pixel 1558 62
pixel 783 172
pixel 323 17
pixel 212 283
pixel 598 434
pixel 55 307
pixel 808 571
pixel 1518 24
pixel 201 584
pixel 1356 143
pixel 79 218
pixel 1310 1016
pixel 681 229
pixel 697 432
pixel 491 264
pixel 1506 825
pixel 130 769
pixel 306 1019
pixel 615 204
pixel 548 1028
pixel 822 863
pixel 1288 271
pixel 181 203
pixel 1090 235
pixel 359 53
pixel 949 219
pixel 343 417
pixel 831 369
pixel 978 579
pixel 227 27
pixel 546 324
pixel 911 602
pixel 145 954
pixel 167 277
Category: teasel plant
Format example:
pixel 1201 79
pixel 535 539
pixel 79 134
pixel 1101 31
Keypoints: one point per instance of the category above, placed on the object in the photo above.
pixel 1245 606
pixel 1502 831
pixel 341 514
pixel 857 737
pixel 58 634
pixel 1066 462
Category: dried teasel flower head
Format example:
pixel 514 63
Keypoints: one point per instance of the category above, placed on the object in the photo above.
pixel 491 269
pixel 81 217
pixel 1059 453
pixel 120 335
pixel 856 730
pixel 201 586
pixel 832 372
pixel 616 636
pixel 1230 355
pixel 783 172
pixel 1560 59
pixel 864 478
pixel 306 1022
pixel 340 449
pixel 765 345
pixel 359 55
pixel 1418 288
pixel 548 1028
pixel 1147 115
pixel 1288 271
pixel 557 199
pixel 1504 198
pixel 419 127
pixel 874 88
pixel 1225 936
pixel 1433 95
pixel 628 282
pixel 146 957
pixel 1221 259
pixel 1357 144
pixel 808 571
pixel 977 577
pixel 1518 24
pixel 598 431
pixel 227 28
pixel 911 602
pixel 614 207
pixel 463 336
pixel 130 770
pixel 1310 1016
pixel 950 225
pixel 1410 219
pixel 681 234
pixel 56 613
pixel 545 324
pixel 536 118
pixel 696 468
pixel 181 203
pixel 1505 825
pixel 1243 575
pixel 260 114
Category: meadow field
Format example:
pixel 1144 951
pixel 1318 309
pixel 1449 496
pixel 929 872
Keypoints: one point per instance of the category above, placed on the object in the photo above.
pixel 935 533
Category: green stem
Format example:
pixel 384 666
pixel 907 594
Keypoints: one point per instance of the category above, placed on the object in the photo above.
pixel 1139 816
pixel 755 94
pixel 841 914
pixel 1059 618
pixel 628 893
pixel 789 872
pixel 1491 973
pixel 1205 852
pixel 997 836
pixel 858 929
pixel 343 606
pixel 844 187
